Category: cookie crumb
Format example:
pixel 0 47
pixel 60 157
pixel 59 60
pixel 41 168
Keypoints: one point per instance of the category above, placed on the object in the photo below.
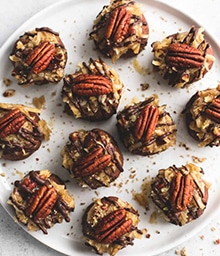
pixel 202 237
pixel 7 81
pixel 198 159
pixel 9 93
pixel 38 102
pixel 217 241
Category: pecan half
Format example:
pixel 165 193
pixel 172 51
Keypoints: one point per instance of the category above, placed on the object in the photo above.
pixel 11 122
pixel 182 188
pixel 94 162
pixel 183 56
pixel 118 24
pixel 146 122
pixel 213 110
pixel 112 226
pixel 41 202
pixel 40 57
pixel 91 85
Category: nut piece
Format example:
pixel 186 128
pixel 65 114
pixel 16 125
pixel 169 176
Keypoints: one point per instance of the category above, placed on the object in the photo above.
pixel 118 25
pixel 94 162
pixel 146 122
pixel 112 226
pixel 213 110
pixel 183 56
pixel 40 57
pixel 11 122
pixel 91 85
pixel 182 189
pixel 41 202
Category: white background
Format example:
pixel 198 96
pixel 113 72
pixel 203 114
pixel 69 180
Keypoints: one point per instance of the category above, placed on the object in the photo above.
pixel 15 241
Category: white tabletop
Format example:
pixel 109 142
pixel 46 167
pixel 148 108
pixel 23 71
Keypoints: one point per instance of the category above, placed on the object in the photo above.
pixel 13 239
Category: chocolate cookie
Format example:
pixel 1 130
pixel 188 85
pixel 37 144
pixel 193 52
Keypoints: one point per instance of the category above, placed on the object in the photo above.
pixel 109 224
pixel 203 117
pixel 120 29
pixel 39 57
pixel 180 193
pixel 92 157
pixel 93 92
pixel 145 128
pixel 183 58
pixel 21 131
pixel 41 200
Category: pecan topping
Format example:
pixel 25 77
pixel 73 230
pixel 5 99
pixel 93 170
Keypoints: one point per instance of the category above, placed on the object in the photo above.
pixel 94 162
pixel 11 122
pixel 213 110
pixel 91 85
pixel 118 25
pixel 183 56
pixel 41 202
pixel 40 57
pixel 182 188
pixel 146 122
pixel 112 226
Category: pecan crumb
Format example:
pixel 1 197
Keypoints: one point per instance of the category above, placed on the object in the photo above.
pixel 9 93
pixel 7 81
pixel 144 86
pixel 183 252
pixel 217 241
pixel 177 252
pixel 182 144
pixel 202 237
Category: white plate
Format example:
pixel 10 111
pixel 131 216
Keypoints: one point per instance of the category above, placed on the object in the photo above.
pixel 73 19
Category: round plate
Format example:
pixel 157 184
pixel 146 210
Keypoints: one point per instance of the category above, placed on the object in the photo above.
pixel 74 22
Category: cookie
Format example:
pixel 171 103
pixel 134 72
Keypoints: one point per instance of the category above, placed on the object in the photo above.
pixel 41 200
pixel 183 58
pixel 110 224
pixel 93 158
pixel 145 128
pixel 22 131
pixel 120 29
pixel 93 92
pixel 202 114
pixel 39 57
pixel 180 193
